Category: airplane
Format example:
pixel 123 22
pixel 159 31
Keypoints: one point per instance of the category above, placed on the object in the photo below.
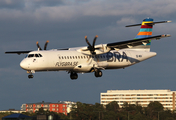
pixel 93 58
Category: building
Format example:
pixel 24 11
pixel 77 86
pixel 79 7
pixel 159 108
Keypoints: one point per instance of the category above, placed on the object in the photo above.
pixel 69 105
pixel 12 110
pixel 55 107
pixel 142 97
pixel 23 107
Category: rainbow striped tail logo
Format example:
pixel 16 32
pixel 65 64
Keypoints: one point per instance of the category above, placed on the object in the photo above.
pixel 146 28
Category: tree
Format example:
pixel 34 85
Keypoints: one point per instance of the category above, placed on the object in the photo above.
pixel 112 106
pixel 153 109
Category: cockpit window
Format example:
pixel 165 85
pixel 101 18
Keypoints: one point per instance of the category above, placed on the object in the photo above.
pixel 40 55
pixel 30 55
pixel 36 55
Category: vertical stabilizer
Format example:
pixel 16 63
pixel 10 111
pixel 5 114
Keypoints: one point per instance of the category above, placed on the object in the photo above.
pixel 144 32
pixel 146 28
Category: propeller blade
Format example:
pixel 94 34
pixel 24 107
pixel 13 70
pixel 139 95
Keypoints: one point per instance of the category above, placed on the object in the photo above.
pixel 88 42
pixel 38 46
pixel 46 44
pixel 93 44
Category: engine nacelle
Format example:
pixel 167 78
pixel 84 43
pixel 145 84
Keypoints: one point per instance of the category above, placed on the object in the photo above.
pixel 82 68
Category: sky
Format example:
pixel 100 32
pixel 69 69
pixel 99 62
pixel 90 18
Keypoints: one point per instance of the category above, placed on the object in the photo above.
pixel 65 23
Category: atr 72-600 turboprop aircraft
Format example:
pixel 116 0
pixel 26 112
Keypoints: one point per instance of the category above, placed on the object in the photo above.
pixel 93 58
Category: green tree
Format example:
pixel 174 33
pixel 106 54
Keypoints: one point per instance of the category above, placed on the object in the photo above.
pixel 112 106
pixel 153 109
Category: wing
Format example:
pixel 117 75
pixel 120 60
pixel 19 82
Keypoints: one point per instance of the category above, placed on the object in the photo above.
pixel 134 42
pixel 17 52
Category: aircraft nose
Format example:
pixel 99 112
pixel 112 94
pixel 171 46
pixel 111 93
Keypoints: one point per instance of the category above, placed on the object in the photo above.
pixel 23 64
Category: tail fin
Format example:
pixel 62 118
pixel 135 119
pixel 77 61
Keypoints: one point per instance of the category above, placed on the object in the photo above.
pixel 146 28
pixel 145 31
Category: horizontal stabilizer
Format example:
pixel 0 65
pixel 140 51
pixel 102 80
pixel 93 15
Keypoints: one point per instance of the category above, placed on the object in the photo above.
pixel 136 42
pixel 148 23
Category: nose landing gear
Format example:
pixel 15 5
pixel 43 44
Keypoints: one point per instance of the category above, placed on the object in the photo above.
pixel 30 76
pixel 30 72
pixel 73 75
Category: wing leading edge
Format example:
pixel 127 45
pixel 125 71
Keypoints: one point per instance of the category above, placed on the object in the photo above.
pixel 17 52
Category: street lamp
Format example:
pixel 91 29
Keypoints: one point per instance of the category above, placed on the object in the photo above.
pixel 158 113
pixel 128 114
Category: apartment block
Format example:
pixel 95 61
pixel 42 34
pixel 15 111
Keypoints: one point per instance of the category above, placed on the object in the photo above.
pixel 142 97
pixel 55 107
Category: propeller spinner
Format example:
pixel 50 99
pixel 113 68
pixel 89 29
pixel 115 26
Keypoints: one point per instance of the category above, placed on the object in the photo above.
pixel 90 47
pixel 38 46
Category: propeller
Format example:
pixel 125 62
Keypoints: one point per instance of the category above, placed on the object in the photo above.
pixel 90 47
pixel 38 46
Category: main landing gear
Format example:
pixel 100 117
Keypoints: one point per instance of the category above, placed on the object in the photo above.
pixel 73 75
pixel 98 73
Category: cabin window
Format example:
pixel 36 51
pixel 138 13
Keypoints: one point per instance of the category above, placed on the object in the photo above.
pixel 59 57
pixel 67 57
pixel 76 57
pixel 70 57
pixel 73 57
pixel 62 57
pixel 84 57
pixel 79 57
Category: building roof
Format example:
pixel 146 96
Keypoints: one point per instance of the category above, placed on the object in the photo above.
pixel 17 115
pixel 138 91
pixel 45 103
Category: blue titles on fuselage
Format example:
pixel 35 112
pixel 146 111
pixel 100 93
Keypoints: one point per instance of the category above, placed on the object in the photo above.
pixel 113 57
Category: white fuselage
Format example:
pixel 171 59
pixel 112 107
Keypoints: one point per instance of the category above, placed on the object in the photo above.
pixel 74 61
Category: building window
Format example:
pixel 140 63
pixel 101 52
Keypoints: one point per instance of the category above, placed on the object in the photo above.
pixel 63 105
pixel 53 105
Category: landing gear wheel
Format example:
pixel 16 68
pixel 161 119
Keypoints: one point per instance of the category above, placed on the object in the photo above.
pixel 73 75
pixel 30 76
pixel 98 73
